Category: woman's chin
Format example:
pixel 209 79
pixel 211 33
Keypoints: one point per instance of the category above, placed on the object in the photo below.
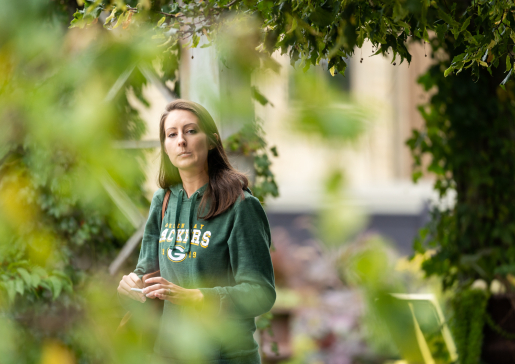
pixel 187 167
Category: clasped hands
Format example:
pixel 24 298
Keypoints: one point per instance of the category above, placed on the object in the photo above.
pixel 161 289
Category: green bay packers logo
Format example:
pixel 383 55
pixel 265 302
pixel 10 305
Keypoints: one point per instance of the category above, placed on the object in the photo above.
pixel 176 255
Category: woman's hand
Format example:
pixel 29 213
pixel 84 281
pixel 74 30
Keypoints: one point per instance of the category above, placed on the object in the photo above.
pixel 165 290
pixel 128 282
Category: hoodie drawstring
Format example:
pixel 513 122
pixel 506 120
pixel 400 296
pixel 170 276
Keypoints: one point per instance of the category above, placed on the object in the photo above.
pixel 177 215
pixel 190 220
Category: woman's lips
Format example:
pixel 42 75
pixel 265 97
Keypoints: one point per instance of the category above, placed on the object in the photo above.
pixel 184 154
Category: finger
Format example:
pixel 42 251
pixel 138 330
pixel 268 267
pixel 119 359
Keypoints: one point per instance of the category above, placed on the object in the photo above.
pixel 128 280
pixel 158 280
pixel 133 281
pixel 122 290
pixel 137 281
pixel 162 293
pixel 137 296
pixel 151 295
pixel 158 293
pixel 126 284
pixel 155 280
pixel 154 287
pixel 132 294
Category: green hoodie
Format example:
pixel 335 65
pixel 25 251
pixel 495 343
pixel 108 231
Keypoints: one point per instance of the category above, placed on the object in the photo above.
pixel 227 258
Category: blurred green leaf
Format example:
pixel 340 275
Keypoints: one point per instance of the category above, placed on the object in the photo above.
pixel 258 96
pixel 26 277
pixel 56 286
pixel 11 289
pixel 18 284
pixel 335 182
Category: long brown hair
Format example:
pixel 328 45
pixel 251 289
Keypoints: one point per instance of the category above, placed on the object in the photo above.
pixel 225 183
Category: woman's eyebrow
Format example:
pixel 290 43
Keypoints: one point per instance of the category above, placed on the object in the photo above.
pixel 185 126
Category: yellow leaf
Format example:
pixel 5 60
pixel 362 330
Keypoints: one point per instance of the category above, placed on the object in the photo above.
pixel 161 21
pixel 165 43
pixel 483 63
pixel 110 17
pixel 55 352
pixel 331 70
pixel 121 19
pixel 425 35
pixel 128 20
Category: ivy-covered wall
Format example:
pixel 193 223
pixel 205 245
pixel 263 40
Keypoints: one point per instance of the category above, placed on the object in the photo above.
pixel 470 135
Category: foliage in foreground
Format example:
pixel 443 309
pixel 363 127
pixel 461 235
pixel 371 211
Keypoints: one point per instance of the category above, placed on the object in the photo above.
pixel 59 115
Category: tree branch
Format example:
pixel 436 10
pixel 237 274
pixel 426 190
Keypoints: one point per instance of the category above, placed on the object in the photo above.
pixel 9 153
pixel 226 6
pixel 171 15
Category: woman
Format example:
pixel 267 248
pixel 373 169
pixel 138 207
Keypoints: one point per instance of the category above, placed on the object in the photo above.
pixel 211 247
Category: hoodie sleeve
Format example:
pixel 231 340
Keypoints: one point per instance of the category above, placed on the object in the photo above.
pixel 148 260
pixel 249 247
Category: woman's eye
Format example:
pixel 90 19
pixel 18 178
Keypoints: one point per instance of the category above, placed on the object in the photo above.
pixel 191 131
pixel 171 135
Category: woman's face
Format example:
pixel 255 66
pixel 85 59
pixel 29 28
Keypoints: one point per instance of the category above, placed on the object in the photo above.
pixel 186 145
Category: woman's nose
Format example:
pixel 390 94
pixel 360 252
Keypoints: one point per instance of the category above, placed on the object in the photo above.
pixel 181 142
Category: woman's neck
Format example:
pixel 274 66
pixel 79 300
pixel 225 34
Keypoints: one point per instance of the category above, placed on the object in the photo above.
pixel 193 180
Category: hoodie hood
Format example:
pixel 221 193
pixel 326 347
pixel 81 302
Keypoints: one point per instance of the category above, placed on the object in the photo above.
pixel 176 189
